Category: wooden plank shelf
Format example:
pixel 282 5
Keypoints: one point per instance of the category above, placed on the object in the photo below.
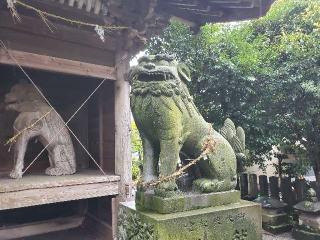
pixel 34 190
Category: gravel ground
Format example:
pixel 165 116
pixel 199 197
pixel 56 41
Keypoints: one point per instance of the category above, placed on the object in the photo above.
pixel 81 234
pixel 284 236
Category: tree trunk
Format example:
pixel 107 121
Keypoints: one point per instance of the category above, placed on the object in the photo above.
pixel 316 170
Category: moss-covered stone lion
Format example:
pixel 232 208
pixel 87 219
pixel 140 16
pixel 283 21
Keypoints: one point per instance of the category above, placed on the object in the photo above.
pixel 169 122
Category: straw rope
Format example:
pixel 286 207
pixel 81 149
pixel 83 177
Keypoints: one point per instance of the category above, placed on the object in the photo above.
pixel 43 14
pixel 208 147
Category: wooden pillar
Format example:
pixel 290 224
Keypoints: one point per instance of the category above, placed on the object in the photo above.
pixel 274 187
pixel 253 186
pixel 122 126
pixel 286 191
pixel 244 185
pixel 122 135
pixel 301 189
pixel 264 186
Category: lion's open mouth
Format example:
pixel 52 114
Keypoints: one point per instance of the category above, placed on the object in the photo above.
pixel 153 76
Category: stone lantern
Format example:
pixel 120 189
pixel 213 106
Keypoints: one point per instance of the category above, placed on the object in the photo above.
pixel 274 218
pixel 308 227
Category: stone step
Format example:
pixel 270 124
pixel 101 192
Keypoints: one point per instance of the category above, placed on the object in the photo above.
pixel 277 229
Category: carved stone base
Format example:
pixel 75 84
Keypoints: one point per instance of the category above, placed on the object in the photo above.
pixel 275 222
pixel 184 201
pixel 234 221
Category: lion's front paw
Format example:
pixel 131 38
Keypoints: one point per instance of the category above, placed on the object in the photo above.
pixel 205 185
pixel 168 186
pixel 53 171
pixel 16 174
pixel 58 171
pixel 167 189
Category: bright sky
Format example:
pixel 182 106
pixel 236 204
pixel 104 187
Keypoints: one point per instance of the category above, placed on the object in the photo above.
pixel 134 61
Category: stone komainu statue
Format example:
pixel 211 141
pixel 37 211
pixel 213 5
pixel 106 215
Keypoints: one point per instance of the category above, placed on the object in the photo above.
pixel 24 99
pixel 169 122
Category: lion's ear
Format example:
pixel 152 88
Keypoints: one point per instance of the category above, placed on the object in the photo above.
pixel 184 72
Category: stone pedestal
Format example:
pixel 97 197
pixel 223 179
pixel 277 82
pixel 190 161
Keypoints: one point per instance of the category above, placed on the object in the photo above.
pixel 308 227
pixel 235 221
pixel 184 201
pixel 275 222
pixel 274 218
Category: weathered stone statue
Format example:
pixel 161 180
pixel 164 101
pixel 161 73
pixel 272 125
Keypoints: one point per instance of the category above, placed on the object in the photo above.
pixel 169 122
pixel 171 126
pixel 24 99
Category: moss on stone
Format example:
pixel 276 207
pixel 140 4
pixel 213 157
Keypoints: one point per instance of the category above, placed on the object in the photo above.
pixel 230 222
pixel 169 122
pixel 184 202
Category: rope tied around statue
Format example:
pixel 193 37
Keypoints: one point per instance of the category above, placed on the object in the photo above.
pixel 34 123
pixel 207 147
pixel 13 139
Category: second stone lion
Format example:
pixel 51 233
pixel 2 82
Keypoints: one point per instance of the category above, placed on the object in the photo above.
pixel 169 122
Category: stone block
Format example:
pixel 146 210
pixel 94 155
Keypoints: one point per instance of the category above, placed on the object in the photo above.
pixel 236 221
pixel 277 229
pixel 275 222
pixel 309 220
pixel 184 202
pixel 274 218
pixel 301 234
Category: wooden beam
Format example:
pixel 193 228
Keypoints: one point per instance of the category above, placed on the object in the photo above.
pixel 41 181
pixel 36 197
pixel 54 64
pixel 34 190
pixel 21 41
pixel 67 33
pixel 202 12
pixel 65 10
pixel 37 228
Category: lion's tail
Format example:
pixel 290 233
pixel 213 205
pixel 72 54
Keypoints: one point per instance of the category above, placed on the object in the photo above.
pixel 235 136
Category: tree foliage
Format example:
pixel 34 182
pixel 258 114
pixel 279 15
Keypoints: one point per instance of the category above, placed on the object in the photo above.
pixel 264 74
pixel 137 152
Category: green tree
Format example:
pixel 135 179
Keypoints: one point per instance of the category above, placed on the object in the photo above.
pixel 296 43
pixel 264 74
pixel 137 152
pixel 225 68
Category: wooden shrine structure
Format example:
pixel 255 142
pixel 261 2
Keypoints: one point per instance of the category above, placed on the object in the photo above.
pixel 68 60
